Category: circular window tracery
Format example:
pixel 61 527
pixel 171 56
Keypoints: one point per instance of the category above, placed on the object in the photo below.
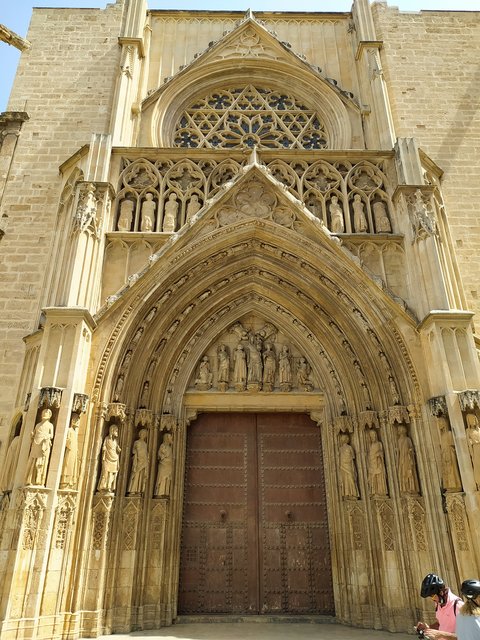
pixel 248 117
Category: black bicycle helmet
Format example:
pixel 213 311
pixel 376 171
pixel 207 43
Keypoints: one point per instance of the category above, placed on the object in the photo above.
pixel 431 586
pixel 471 588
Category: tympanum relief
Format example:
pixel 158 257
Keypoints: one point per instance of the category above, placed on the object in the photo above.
pixel 253 356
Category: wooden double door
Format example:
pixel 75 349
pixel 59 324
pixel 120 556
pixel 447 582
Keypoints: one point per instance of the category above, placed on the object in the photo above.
pixel 255 532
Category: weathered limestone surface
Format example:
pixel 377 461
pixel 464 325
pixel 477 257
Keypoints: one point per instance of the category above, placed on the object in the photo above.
pixel 242 215
pixel 431 66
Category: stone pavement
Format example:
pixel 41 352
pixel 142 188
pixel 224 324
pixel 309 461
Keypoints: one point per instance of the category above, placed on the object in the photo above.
pixel 262 631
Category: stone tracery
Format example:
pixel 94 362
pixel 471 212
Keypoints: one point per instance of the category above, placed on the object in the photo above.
pixel 250 116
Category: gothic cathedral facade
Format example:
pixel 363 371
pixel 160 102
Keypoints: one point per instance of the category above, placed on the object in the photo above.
pixel 239 360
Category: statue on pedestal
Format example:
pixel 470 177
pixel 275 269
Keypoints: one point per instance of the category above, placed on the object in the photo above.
pixel 42 437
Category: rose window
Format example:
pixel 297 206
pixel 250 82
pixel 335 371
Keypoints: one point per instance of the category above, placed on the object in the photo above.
pixel 250 117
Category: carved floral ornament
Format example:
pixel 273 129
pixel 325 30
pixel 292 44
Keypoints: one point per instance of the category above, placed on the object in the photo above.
pixel 163 195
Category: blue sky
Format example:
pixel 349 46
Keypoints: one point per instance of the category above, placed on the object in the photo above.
pixel 15 14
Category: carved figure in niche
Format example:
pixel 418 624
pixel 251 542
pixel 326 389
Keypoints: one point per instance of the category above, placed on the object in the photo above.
pixel 223 368
pixel 117 394
pixel 137 336
pixel 10 465
pixel 255 365
pixel 348 471
pixel 165 466
pixel 170 215
pixel 138 475
pixel 204 380
pixel 336 216
pixel 239 367
pixel 88 208
pixel 193 206
pixel 69 475
pixel 380 217
pixel 126 360
pixel 148 213
pixel 393 390
pixel 285 369
pixel 376 466
pixel 450 472
pixel 126 215
pixel 110 461
pixel 473 436
pixel 145 392
pixel 269 367
pixel 151 314
pixel 42 436
pixel 303 375
pixel 359 220
pixel 407 466
pixel 151 367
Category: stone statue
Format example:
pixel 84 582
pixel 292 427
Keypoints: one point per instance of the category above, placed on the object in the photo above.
pixel 170 215
pixel 269 367
pixel 348 472
pixel 69 475
pixel 303 374
pixel 450 472
pixel 137 336
pixel 359 220
pixel 145 392
pixel 9 465
pixel 42 437
pixel 223 367
pixel 376 466
pixel 407 467
pixel 138 474
pixel 336 216
pixel 255 364
pixel 285 369
pixel 473 437
pixel 117 394
pixel 110 461
pixel 193 206
pixel 204 380
pixel 148 213
pixel 165 466
pixel 239 367
pixel 126 215
pixel 380 217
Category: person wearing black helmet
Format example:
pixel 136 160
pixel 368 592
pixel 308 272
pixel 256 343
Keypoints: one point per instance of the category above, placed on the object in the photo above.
pixel 468 620
pixel 447 604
